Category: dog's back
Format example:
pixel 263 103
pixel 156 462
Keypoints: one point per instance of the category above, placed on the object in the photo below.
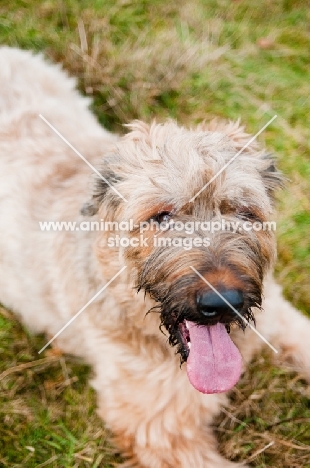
pixel 38 171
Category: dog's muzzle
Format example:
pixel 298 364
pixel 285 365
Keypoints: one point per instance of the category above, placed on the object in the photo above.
pixel 215 307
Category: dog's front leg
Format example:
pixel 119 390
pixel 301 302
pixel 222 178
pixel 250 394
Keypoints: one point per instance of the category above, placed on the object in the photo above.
pixel 284 327
pixel 157 418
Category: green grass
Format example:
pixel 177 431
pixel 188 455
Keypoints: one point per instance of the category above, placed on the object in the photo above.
pixel 47 410
pixel 188 60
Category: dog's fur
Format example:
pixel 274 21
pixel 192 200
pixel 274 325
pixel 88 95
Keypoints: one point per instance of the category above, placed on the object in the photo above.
pixel 158 418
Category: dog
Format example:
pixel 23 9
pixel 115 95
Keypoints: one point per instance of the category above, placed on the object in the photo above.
pixel 151 304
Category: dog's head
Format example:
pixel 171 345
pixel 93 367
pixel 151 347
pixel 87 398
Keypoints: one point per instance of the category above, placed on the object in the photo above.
pixel 199 242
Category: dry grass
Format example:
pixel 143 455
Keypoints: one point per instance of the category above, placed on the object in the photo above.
pixel 48 409
pixel 136 79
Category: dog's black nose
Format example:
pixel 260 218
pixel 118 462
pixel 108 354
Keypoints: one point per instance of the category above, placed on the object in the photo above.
pixel 212 306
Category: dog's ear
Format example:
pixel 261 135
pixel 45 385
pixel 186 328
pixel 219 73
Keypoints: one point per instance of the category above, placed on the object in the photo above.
pixel 89 209
pixel 272 178
pixel 104 190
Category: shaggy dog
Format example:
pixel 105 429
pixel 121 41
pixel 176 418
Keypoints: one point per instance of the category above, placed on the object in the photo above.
pixel 201 294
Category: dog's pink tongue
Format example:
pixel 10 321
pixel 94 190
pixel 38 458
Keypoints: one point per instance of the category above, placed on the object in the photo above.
pixel 214 364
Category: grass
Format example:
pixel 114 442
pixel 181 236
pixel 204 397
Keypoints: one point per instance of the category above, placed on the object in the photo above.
pixel 189 60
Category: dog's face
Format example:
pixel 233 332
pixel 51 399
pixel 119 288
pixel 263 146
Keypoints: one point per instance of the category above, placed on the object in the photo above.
pixel 187 182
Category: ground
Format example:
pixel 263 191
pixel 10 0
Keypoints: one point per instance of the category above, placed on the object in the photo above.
pixel 188 60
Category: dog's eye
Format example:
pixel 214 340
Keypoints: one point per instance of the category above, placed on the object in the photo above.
pixel 247 215
pixel 163 217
